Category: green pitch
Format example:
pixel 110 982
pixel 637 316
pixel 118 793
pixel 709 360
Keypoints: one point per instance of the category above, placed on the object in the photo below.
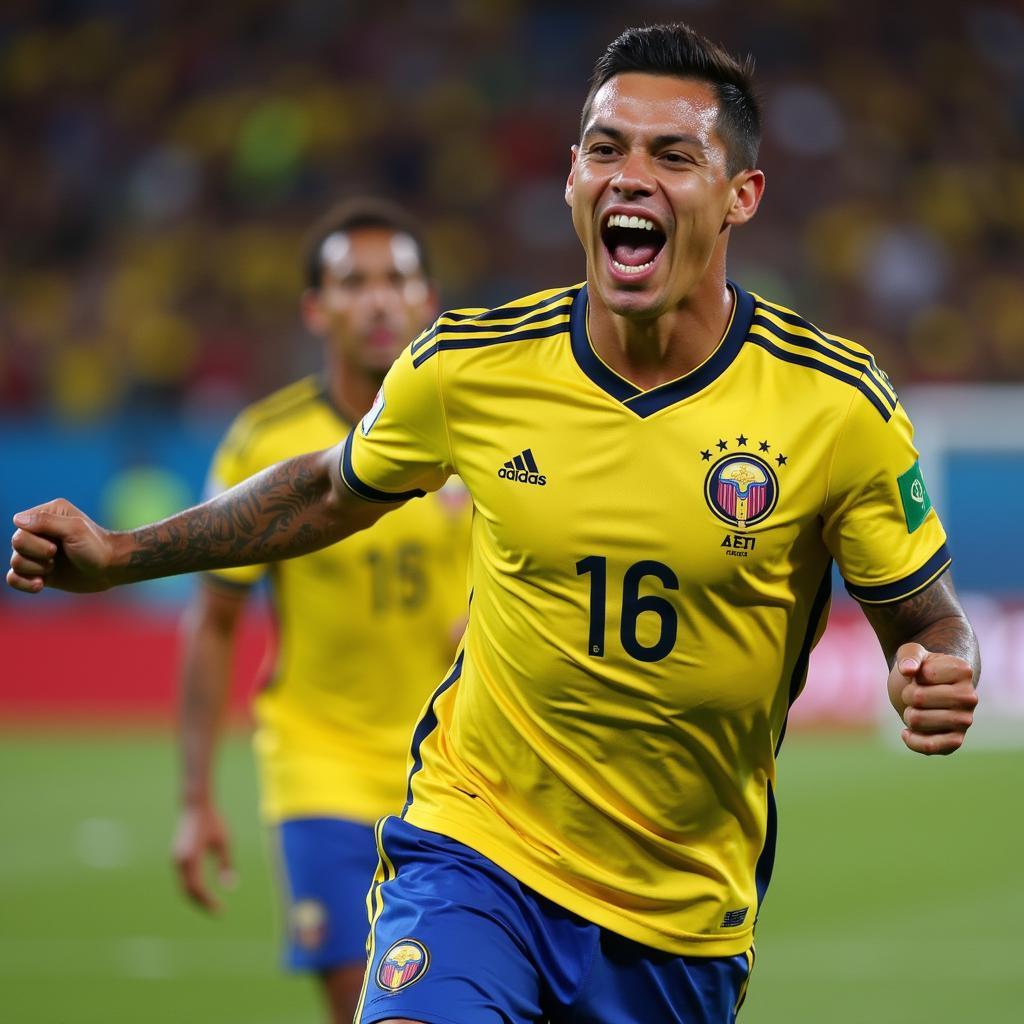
pixel 897 896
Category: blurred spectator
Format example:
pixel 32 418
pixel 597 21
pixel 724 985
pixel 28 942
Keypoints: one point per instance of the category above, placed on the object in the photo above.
pixel 160 161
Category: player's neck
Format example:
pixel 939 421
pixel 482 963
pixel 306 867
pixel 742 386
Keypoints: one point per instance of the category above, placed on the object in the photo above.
pixel 649 353
pixel 351 388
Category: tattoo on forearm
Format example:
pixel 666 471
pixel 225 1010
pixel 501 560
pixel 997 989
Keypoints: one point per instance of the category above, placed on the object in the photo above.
pixel 950 636
pixel 932 618
pixel 277 514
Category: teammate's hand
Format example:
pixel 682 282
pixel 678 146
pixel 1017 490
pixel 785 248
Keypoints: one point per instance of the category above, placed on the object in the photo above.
pixel 934 695
pixel 201 831
pixel 58 546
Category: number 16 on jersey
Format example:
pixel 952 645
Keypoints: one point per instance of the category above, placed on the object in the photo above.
pixel 633 606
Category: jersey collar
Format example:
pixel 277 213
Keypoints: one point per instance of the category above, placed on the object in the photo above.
pixel 645 403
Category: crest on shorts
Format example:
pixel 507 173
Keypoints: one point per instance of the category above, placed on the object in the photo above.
pixel 741 489
pixel 309 923
pixel 405 962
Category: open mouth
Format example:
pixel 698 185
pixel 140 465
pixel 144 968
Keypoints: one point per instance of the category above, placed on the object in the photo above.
pixel 381 337
pixel 633 243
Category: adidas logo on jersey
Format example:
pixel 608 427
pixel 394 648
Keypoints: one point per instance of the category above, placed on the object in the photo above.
pixel 522 469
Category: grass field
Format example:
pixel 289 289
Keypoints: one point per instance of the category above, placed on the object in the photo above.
pixel 897 898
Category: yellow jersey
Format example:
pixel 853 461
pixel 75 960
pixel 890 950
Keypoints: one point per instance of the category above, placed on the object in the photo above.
pixel 651 570
pixel 365 628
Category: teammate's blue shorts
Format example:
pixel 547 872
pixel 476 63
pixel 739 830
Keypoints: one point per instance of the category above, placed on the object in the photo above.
pixel 328 866
pixel 454 939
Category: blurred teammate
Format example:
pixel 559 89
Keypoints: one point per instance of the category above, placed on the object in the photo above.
pixel 663 468
pixel 336 715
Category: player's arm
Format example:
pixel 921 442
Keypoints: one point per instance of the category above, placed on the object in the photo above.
pixel 934 665
pixel 210 633
pixel 289 509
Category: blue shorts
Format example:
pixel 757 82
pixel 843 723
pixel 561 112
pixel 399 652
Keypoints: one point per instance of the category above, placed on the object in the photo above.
pixel 328 867
pixel 455 939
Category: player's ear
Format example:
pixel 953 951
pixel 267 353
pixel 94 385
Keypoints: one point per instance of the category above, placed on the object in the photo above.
pixel 574 153
pixel 312 312
pixel 748 187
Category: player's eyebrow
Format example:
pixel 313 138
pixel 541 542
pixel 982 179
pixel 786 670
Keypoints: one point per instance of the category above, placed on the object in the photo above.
pixel 658 142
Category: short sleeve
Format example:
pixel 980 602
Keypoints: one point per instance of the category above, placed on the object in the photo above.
pixel 880 525
pixel 231 464
pixel 400 449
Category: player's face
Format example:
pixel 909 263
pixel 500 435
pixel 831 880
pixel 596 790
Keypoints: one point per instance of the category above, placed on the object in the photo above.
pixel 373 299
pixel 650 150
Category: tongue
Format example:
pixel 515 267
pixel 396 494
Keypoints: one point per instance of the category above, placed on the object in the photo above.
pixel 634 255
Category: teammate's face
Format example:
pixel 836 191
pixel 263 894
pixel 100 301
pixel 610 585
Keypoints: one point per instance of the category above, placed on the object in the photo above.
pixel 373 298
pixel 650 150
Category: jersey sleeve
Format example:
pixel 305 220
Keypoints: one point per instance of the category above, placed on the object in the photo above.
pixel 879 523
pixel 400 448
pixel 232 463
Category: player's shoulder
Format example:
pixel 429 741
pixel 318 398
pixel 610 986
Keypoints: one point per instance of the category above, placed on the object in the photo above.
pixel 275 412
pixel 794 341
pixel 532 317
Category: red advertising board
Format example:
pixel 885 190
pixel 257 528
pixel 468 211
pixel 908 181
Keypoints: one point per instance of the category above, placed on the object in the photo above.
pixel 109 661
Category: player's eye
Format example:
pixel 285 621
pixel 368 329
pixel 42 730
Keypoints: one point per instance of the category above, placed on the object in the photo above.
pixel 602 149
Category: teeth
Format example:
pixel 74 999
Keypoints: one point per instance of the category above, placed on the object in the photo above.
pixel 622 268
pixel 621 220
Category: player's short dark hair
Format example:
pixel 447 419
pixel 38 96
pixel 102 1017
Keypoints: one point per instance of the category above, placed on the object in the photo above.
pixel 678 50
pixel 351 215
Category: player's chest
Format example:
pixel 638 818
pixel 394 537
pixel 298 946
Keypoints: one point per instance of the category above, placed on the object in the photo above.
pixel 706 489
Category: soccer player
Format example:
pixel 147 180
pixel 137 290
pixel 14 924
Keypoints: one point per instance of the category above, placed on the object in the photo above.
pixel 663 468
pixel 336 715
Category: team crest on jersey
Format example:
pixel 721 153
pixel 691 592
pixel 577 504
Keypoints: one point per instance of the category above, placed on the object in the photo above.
pixel 741 490
pixel 367 422
pixel 405 962
pixel 309 923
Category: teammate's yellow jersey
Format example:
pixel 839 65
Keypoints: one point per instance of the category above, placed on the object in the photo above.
pixel 651 570
pixel 365 628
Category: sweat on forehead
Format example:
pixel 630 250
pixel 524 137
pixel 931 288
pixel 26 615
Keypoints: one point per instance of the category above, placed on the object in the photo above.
pixel 659 104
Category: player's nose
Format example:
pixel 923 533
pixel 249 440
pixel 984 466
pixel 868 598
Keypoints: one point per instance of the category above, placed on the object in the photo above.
pixel 634 177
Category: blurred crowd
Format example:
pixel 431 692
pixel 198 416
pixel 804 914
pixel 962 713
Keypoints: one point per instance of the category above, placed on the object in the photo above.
pixel 162 160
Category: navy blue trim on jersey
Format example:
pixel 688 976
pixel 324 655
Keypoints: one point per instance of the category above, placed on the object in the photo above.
pixel 860 366
pixel 427 724
pixel 364 490
pixel 469 323
pixel 819 607
pixel 865 360
pixel 877 373
pixel 589 361
pixel 432 330
pixel 646 403
pixel 813 363
pixel 513 334
pixel 885 593
pixel 766 861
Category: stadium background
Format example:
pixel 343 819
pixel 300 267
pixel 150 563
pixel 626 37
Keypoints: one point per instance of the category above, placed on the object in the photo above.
pixel 160 164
